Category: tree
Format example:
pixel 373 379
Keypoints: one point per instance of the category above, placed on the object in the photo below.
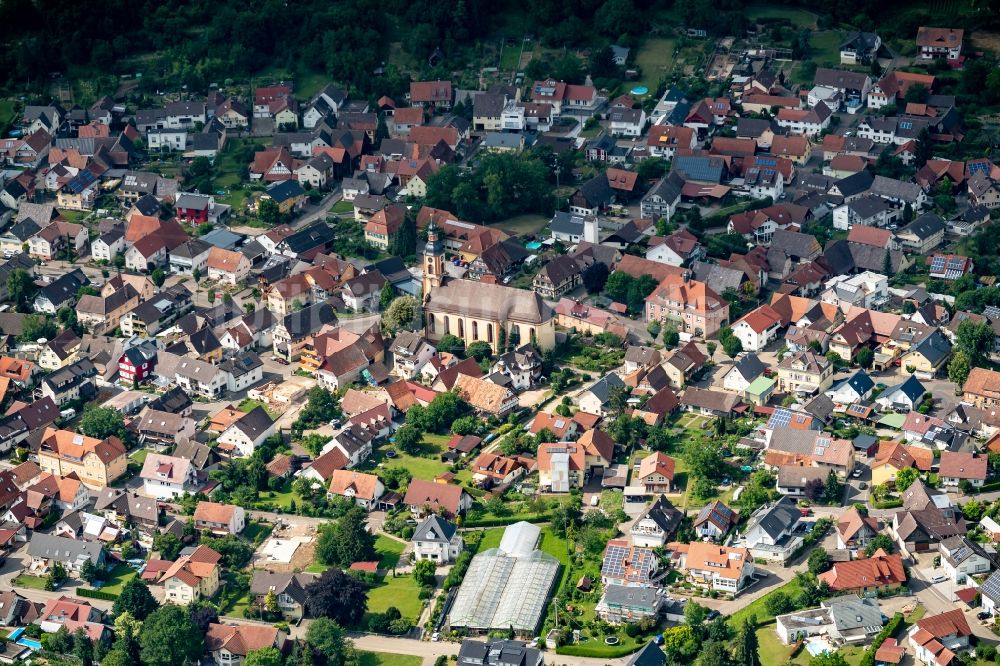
pixel 135 599
pixel 746 653
pixel 158 277
pixel 168 544
pixel 102 422
pixel 814 490
pixel 337 596
pixel 695 614
pixel 732 346
pixel 169 637
pixel 594 277
pixel 21 288
pixel 268 656
pixel 480 350
pixel 403 312
pixel 35 327
pixel 778 603
pixel 976 340
pixel 466 425
pixel 387 295
pixel 865 357
pixel 83 648
pixel 403 243
pixel 325 637
pixel 347 541
pixel 424 572
pixel 833 489
pixel 602 62
pixel 671 338
pixel 819 561
pixel 828 659
pixel 959 368
pixel 408 438
pixel 89 572
pixel 905 478
pixel 451 344
pixel 268 211
pixel 880 542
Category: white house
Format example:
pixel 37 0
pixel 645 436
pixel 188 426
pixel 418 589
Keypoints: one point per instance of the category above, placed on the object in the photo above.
pixel 938 638
pixel 248 432
pixel 410 352
pixel 962 557
pixel 220 518
pixel 656 525
pixel 107 246
pixel 627 122
pixel 747 368
pixel 758 328
pixel 852 390
pixel 714 520
pixel 771 531
pixel 167 139
pixel 436 539
pixel 167 477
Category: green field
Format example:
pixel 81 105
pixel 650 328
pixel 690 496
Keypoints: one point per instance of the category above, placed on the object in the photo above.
pixel 401 592
pixel 342 207
pixel 388 659
pixel 32 582
pixel 426 466
pixel 826 47
pixel 758 608
pixel 119 576
pixel 510 59
pixel 799 17
pixel 389 551
pixel 140 456
pixel 523 225
pixel 656 58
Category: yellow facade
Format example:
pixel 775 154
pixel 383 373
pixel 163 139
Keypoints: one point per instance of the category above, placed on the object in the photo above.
pixel 473 329
pixel 90 469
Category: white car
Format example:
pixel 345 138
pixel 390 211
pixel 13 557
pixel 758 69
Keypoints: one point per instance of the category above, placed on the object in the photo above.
pixel 857 473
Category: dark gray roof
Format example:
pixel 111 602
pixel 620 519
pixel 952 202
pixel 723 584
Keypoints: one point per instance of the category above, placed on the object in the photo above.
pixel 650 655
pixel 62 549
pixel 855 183
pixel 488 105
pixel 309 320
pixel 602 387
pixel 750 367
pixel 664 514
pixel 633 596
pixel 840 79
pixel 924 226
pixel 774 519
pixel 255 423
pixel 434 528
pixel 697 167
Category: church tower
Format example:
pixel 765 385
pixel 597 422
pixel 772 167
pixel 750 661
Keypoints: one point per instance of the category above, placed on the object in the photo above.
pixel 433 260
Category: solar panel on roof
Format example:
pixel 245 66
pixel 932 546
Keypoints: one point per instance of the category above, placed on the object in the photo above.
pixel 780 418
pixel 765 161
pixel 937 263
pixel 978 167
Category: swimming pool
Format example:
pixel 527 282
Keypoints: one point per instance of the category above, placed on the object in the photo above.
pixel 817 646
pixel 533 245
pixel 14 635
pixel 639 90
pixel 30 643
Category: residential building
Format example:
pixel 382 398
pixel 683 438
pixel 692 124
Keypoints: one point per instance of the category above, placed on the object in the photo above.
pixel 688 304
pixel 879 573
pixel 194 576
pixel 716 568
pixel 219 518
pixel 937 639
pixel 656 525
pixel 96 462
pixel 436 539
pixel 167 477
pixel 771 532
pixel 804 372
pixel 714 520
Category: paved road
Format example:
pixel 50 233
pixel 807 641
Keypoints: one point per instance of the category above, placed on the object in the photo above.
pixel 431 651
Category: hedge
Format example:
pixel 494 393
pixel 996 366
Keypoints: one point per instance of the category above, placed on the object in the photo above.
pixel 596 651
pixel 508 520
pixel 95 594
pixel 868 658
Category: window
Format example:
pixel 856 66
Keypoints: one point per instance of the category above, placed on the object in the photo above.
pixel 475 330
pixel 461 327
pixel 489 333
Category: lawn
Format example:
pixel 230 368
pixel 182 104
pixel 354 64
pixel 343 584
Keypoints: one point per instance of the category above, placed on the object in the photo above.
pixel 249 405
pixel 120 575
pixel 826 48
pixel 799 17
pixel 72 215
pixel 510 59
pixel 316 568
pixel 401 592
pixel 256 532
pixel 140 456
pixel 550 543
pixel 656 58
pixel 524 225
pixel 758 607
pixel 342 206
pixel 388 659
pixel 32 582
pixel 389 551
pixel 426 466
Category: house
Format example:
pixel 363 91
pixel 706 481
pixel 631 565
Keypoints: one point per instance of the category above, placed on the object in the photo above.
pixel 937 640
pixel 959 466
pixel 879 573
pixel 45 550
pixel 289 590
pixel 839 621
pixel 677 249
pixel 437 95
pixel 493 468
pixel 804 372
pixel 630 603
pixel 60 292
pixel 95 462
pixel 522 365
pixel 922 235
pixel 158 427
pixel 219 518
pixel 860 48
pixel 656 525
pixel 662 199
pixel 925 519
pixel 854 389
pixel 167 477
pixel 771 532
pixel 231 643
pixel 794 480
pixel 758 328
pixel 499 652
pixel 656 473
pixel 982 388
pixel 627 122
pixel 227 266
pixel 690 304
pixel 423 496
pixel 855 529
pixel 363 489
pixel 436 539
pixel 486 397
pixel 714 520
pixel 596 398
pixel 904 397
pixel 961 558
pixel 894 456
pixel 940 42
pixel 716 568
pixel 248 432
pixel 195 575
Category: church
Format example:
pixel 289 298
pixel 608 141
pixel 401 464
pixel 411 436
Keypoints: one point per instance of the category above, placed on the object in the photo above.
pixel 480 311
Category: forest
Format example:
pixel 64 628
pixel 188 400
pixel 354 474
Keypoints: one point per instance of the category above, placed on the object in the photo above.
pixel 195 42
